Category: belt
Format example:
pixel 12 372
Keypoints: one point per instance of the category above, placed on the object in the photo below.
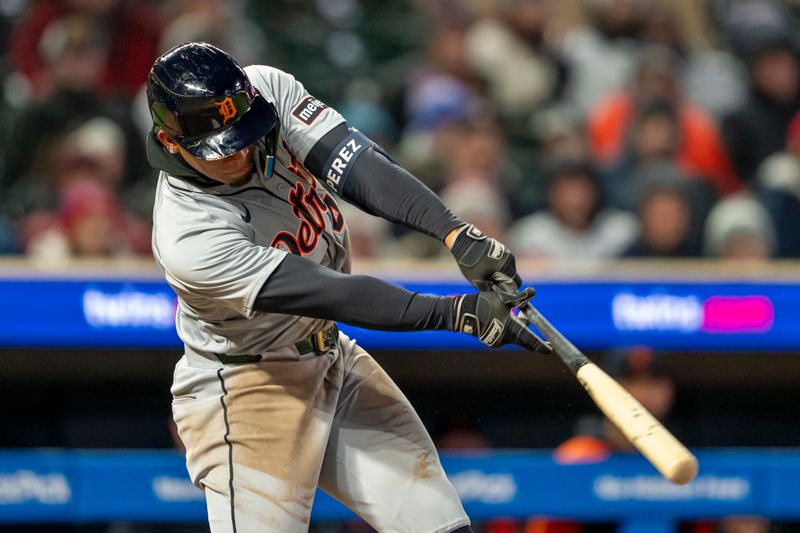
pixel 319 342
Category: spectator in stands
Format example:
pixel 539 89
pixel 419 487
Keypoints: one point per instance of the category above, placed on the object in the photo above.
pixel 712 77
pixel 78 212
pixel 557 133
pixel 560 134
pixel 480 152
pixel 739 227
pixel 759 128
pixel 443 86
pixel 709 76
pixel 130 29
pixel 656 83
pixel 651 154
pixel 602 53
pixel 575 224
pixel 100 141
pixel 507 47
pixel 665 214
pixel 470 147
pixel 73 51
pixel 218 22
pixel 778 188
pixel 653 139
pixel 90 222
pixel 442 93
pixel 741 20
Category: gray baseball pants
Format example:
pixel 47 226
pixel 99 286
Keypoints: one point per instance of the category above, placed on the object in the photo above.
pixel 261 437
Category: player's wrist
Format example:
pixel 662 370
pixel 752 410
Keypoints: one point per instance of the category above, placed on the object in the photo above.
pixel 451 237
pixel 463 306
pixel 449 310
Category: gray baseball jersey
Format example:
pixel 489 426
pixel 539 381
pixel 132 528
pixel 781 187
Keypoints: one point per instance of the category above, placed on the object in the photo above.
pixel 218 246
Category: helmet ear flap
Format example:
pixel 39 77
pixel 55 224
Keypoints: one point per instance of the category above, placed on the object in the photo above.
pixel 268 147
pixel 271 139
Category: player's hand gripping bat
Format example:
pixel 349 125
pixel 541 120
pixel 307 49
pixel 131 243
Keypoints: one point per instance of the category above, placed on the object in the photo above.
pixel 661 448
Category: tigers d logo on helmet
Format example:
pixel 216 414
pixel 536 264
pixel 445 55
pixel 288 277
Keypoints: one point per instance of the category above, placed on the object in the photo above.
pixel 226 109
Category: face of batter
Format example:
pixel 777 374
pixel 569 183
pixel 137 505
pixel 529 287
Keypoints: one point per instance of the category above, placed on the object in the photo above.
pixel 231 170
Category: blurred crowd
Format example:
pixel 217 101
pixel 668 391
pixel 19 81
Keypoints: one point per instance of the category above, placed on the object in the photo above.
pixel 568 129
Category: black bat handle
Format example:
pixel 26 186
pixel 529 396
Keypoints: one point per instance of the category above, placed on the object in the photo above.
pixel 572 356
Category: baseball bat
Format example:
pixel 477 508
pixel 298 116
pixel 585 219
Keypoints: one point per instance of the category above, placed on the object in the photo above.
pixel 656 443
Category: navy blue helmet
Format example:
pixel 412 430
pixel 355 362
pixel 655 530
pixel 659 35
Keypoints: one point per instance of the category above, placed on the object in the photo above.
pixel 202 98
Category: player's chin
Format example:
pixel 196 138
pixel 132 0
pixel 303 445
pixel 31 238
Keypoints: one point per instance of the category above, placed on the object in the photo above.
pixel 235 175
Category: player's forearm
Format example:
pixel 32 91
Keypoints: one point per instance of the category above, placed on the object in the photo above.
pixel 301 287
pixel 367 177
pixel 384 188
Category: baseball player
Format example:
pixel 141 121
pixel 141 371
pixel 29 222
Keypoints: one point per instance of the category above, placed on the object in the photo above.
pixel 270 399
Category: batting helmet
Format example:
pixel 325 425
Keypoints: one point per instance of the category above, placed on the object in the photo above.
pixel 202 98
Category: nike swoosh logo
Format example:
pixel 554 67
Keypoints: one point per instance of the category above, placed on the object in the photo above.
pixel 246 214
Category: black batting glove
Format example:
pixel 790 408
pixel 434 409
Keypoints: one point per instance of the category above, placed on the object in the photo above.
pixel 488 317
pixel 480 258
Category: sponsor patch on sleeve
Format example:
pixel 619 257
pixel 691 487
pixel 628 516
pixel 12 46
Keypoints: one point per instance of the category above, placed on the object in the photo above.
pixel 308 109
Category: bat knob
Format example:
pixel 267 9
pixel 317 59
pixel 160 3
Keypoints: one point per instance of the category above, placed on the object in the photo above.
pixel 683 470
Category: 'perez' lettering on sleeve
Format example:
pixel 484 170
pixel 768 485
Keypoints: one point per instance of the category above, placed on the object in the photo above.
pixel 343 158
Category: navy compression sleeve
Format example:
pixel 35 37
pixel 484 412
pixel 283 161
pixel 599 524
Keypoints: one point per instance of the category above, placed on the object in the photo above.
pixel 302 287
pixel 366 176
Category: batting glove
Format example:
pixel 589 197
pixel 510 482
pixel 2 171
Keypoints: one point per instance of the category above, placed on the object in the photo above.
pixel 480 258
pixel 488 317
